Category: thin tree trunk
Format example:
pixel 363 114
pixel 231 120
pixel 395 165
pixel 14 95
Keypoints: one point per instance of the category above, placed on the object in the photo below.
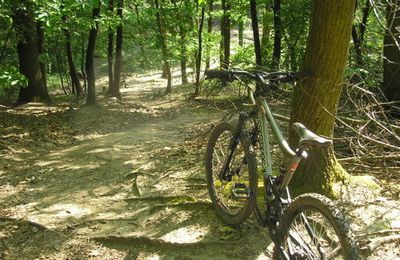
pixel 315 100
pixel 240 33
pixel 118 54
pixel 83 72
pixel 358 36
pixel 209 31
pixel 256 34
pixel 41 50
pixel 199 50
pixel 276 56
pixel 76 85
pixel 164 46
pixel 226 34
pixel 357 45
pixel 110 51
pixel 363 24
pixel 140 38
pixel 60 74
pixel 265 35
pixel 91 78
pixel 182 33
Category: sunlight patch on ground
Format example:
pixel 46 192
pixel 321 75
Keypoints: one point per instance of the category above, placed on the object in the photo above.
pixel 99 150
pixel 189 234
pixel 148 256
pixel 66 210
pixel 88 137
pixel 45 163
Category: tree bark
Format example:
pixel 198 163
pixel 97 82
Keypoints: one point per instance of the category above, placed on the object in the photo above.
pixel 199 50
pixel 141 37
pixel 357 45
pixel 391 53
pixel 226 35
pixel 28 54
pixel 41 51
pixel 91 78
pixel 358 35
pixel 183 48
pixel 83 72
pixel 183 54
pixel 265 35
pixel 110 51
pixel 209 31
pixel 240 33
pixel 276 56
pixel 315 100
pixel 164 47
pixel 256 34
pixel 76 85
pixel 118 54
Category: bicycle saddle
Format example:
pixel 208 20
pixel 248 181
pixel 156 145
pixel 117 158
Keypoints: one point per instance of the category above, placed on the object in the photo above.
pixel 308 138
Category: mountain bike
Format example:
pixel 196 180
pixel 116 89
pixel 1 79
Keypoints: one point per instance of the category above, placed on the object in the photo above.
pixel 308 227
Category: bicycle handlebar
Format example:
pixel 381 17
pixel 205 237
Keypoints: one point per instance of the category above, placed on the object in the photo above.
pixel 278 77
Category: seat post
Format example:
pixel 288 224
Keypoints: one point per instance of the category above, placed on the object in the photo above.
pixel 301 153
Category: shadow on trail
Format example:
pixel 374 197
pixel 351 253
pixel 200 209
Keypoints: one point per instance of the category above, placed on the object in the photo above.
pixel 128 175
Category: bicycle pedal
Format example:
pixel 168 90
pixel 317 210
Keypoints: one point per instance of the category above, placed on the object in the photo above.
pixel 240 191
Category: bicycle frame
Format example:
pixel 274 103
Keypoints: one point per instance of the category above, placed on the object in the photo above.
pixel 265 117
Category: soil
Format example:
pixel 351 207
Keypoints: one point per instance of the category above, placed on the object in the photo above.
pixel 125 180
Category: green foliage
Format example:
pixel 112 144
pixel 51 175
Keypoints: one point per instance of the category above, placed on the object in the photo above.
pixel 142 46
pixel 10 82
pixel 244 57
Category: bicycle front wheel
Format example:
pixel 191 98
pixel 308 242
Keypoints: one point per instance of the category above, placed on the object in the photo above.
pixel 230 194
pixel 313 228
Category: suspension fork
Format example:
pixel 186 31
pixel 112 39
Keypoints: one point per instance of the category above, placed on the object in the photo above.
pixel 224 171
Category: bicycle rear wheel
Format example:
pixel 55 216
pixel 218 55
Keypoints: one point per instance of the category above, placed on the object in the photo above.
pixel 230 195
pixel 313 228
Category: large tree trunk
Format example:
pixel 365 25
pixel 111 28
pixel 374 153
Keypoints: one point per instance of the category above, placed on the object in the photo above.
pixel 164 47
pixel 315 100
pixel 199 50
pixel 391 53
pixel 256 34
pixel 276 56
pixel 118 54
pixel 28 54
pixel 226 34
pixel 110 51
pixel 91 79
pixel 76 85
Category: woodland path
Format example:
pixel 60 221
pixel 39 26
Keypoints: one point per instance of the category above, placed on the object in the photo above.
pixel 118 181
pixel 126 181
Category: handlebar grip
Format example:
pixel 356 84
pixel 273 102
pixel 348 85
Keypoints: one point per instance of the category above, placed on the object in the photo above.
pixel 295 76
pixel 218 74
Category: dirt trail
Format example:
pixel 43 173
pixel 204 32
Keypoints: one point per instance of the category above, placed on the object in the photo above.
pixel 120 181
pixel 135 188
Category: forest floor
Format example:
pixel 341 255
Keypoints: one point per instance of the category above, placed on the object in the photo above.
pixel 125 180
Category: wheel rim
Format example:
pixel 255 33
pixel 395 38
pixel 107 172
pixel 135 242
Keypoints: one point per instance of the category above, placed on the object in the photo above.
pixel 231 195
pixel 312 236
